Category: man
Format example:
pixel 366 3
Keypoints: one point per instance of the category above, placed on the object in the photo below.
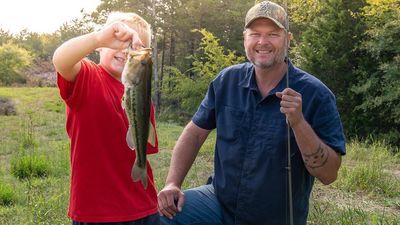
pixel 249 105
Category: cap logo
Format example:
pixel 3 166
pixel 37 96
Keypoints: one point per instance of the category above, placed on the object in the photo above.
pixel 264 6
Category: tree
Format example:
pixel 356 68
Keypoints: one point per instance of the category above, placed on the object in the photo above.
pixel 13 61
pixel 5 36
pixel 328 49
pixel 78 27
pixel 209 59
pixel 42 46
pixel 379 81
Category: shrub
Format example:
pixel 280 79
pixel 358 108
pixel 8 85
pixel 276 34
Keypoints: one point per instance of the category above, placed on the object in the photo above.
pixel 7 107
pixel 7 196
pixel 369 177
pixel 29 166
pixel 17 59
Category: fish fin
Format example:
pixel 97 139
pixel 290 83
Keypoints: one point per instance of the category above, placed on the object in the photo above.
pixel 129 139
pixel 139 174
pixel 152 135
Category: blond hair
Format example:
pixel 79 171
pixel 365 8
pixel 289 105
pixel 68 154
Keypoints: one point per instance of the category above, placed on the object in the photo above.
pixel 134 21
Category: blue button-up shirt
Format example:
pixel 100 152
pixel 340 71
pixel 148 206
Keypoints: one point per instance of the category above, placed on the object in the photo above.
pixel 251 176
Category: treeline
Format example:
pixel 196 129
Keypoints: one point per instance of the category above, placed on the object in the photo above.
pixel 352 46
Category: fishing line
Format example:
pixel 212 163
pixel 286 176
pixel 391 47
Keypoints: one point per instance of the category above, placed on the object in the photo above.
pixel 289 161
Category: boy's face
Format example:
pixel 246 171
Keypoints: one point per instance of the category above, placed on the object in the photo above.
pixel 114 60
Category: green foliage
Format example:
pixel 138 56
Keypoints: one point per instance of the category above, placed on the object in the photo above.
pixel 188 89
pixel 27 135
pixel 378 86
pixel 7 195
pixel 353 47
pixel 328 48
pixel 5 36
pixel 41 46
pixel 28 166
pixel 371 151
pixel 322 213
pixel 27 163
pixel 367 171
pixel 55 106
pixel 370 178
pixel 13 61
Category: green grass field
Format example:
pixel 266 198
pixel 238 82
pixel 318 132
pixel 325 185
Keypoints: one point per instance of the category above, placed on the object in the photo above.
pixel 34 169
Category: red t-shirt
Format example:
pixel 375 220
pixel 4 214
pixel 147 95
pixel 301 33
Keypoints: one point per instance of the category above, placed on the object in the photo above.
pixel 102 189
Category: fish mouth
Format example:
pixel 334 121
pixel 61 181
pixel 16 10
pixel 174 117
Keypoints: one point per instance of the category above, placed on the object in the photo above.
pixel 120 59
pixel 140 52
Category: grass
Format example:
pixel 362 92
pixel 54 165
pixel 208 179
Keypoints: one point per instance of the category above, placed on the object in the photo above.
pixel 366 192
pixel 7 196
pixel 372 169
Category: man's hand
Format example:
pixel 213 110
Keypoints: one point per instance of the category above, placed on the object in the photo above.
pixel 170 201
pixel 291 106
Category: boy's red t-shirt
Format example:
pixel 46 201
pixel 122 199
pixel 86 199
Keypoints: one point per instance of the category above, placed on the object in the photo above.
pixel 102 189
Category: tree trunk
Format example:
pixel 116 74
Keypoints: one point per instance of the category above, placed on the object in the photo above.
pixel 155 61
pixel 162 67
pixel 172 49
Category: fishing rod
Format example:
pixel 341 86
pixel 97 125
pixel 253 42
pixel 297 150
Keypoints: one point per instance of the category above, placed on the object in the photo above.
pixel 289 160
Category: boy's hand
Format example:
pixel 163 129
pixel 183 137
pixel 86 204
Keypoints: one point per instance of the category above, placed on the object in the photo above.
pixel 118 36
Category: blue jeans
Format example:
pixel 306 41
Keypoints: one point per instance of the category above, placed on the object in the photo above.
pixel 201 208
pixel 149 220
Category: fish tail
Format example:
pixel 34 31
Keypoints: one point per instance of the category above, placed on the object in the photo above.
pixel 139 173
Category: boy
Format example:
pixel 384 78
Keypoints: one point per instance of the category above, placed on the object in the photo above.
pixel 102 190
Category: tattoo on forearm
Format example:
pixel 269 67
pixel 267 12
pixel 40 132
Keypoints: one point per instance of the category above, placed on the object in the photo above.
pixel 316 159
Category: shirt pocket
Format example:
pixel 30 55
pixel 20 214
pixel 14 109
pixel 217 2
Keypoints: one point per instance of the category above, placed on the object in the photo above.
pixel 229 123
pixel 273 132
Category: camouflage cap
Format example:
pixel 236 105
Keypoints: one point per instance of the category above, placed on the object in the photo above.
pixel 269 10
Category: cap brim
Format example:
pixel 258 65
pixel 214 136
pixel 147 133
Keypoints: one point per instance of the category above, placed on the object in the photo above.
pixel 264 17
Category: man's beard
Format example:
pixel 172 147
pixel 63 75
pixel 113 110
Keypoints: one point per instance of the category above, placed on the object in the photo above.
pixel 270 64
pixel 276 60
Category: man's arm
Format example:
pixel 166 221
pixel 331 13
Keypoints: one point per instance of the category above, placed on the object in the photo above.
pixel 67 57
pixel 183 156
pixel 320 160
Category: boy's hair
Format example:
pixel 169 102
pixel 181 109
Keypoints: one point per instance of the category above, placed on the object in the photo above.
pixel 137 22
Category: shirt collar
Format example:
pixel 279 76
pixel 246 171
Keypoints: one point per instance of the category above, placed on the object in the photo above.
pixel 249 79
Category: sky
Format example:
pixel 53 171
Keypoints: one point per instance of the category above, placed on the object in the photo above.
pixel 42 16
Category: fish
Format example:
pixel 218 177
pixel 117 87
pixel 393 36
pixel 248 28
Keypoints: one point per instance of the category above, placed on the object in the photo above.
pixel 136 78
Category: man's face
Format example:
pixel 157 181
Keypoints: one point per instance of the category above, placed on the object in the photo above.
pixel 265 43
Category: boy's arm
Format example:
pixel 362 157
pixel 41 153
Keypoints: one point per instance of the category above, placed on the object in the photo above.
pixel 67 57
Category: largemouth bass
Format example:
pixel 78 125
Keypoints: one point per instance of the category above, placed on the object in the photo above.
pixel 136 78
